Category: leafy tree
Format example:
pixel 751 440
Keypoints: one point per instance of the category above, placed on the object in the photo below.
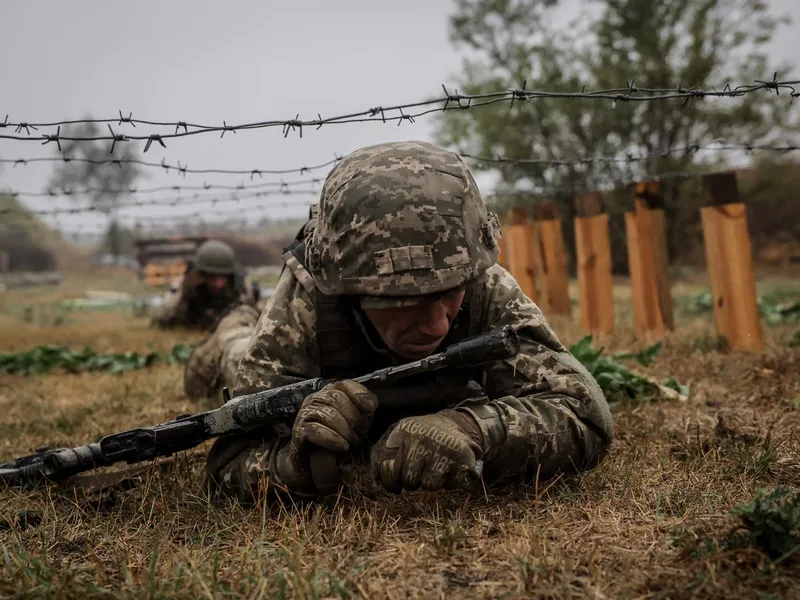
pixel 105 185
pixel 657 44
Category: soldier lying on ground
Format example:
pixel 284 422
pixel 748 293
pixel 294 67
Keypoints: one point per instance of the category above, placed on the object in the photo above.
pixel 400 261
pixel 212 284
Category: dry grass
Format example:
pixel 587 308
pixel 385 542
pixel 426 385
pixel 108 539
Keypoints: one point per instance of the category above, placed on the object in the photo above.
pixel 650 522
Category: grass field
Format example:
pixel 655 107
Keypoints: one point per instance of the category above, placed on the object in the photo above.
pixel 654 520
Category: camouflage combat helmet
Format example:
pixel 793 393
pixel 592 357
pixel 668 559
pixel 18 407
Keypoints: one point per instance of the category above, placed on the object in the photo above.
pixel 215 256
pixel 398 221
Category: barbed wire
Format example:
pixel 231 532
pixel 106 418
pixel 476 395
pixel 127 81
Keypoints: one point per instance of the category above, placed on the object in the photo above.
pixel 594 184
pixel 628 158
pixel 209 218
pixel 450 101
pixel 207 228
pixel 202 214
pixel 686 150
pixel 178 168
pixel 282 185
pixel 214 200
pixel 171 202
pixel 631 158
pixel 254 217
pixel 197 219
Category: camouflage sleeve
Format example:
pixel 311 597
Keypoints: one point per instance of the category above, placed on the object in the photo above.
pixel 282 350
pixel 547 414
pixel 214 362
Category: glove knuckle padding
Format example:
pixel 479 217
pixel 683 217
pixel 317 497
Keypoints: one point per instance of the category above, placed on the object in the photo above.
pixel 331 419
pixel 322 426
pixel 342 404
pixel 360 396
pixel 430 451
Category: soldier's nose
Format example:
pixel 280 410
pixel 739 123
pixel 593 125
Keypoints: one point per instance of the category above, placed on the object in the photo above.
pixel 434 321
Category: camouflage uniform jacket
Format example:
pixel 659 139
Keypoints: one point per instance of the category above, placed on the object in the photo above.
pixel 198 308
pixel 541 412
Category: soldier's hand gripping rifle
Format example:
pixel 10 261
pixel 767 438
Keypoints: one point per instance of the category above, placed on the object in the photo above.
pixel 239 415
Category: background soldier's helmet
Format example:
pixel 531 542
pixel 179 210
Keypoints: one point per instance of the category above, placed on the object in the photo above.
pixel 400 220
pixel 215 256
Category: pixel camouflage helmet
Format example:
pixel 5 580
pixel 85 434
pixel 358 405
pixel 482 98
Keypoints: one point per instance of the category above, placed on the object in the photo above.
pixel 398 221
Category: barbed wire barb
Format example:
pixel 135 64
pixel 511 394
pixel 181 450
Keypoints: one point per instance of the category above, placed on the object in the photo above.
pixel 154 138
pixel 295 123
pixel 116 138
pixel 128 119
pixel 53 138
pixel 518 93
pixel 226 127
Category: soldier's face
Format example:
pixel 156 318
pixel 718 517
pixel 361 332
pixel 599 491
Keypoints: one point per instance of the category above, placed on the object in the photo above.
pixel 216 283
pixel 415 332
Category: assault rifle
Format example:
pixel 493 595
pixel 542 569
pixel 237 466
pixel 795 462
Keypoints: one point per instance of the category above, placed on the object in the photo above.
pixel 237 415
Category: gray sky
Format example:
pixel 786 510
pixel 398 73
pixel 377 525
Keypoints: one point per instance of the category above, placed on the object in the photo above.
pixel 238 61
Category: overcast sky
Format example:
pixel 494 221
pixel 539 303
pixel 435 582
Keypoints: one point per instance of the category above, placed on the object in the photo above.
pixel 239 61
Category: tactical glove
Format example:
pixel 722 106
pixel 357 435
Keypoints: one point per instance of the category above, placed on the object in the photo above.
pixel 431 452
pixel 327 425
pixel 334 418
pixel 306 464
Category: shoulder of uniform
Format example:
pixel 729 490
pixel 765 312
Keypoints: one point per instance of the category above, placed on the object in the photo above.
pixel 499 286
pixel 299 271
pixel 290 287
pixel 289 317
pixel 497 275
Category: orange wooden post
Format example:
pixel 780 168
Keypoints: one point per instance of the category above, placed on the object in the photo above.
pixel 645 229
pixel 551 260
pixel 730 264
pixel 520 251
pixel 593 249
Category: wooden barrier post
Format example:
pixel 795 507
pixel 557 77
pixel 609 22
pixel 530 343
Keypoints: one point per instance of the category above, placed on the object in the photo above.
pixel 520 251
pixel 645 229
pixel 551 260
pixel 730 264
pixel 593 249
